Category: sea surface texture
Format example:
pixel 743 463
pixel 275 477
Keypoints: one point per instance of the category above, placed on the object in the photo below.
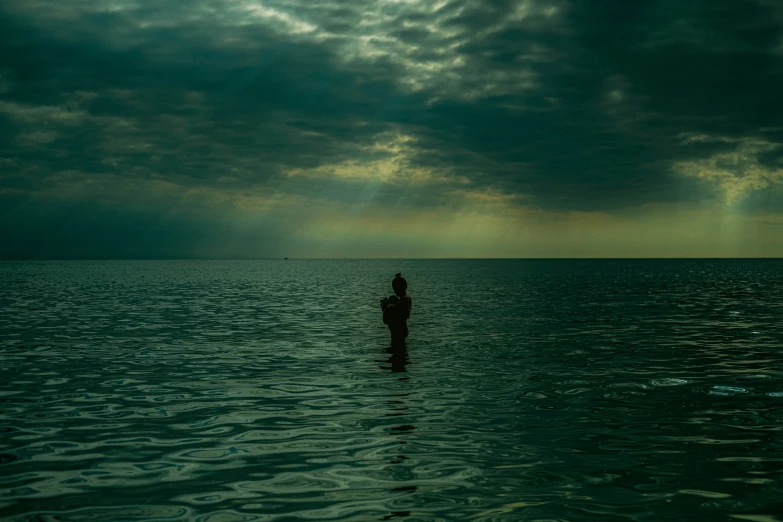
pixel 534 390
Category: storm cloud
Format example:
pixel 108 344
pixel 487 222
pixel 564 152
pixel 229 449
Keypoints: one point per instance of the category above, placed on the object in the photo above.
pixel 172 124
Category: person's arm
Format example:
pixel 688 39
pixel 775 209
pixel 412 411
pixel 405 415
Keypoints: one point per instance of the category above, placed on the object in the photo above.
pixel 408 308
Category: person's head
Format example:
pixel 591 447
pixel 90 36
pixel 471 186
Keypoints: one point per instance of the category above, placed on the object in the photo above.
pixel 399 285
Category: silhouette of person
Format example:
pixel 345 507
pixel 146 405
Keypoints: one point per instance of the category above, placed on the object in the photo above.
pixel 396 310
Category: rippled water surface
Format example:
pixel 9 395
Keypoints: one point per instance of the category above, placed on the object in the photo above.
pixel 264 390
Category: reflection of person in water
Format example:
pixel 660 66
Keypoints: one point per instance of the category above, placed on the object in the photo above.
pixel 397 309
pixel 398 359
pixel 401 472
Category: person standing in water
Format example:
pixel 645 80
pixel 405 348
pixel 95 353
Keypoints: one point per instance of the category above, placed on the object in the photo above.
pixel 397 309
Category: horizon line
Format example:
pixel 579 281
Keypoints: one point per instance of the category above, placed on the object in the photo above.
pixel 597 258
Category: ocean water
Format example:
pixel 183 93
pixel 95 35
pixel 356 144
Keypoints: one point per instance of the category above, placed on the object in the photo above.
pixel 535 390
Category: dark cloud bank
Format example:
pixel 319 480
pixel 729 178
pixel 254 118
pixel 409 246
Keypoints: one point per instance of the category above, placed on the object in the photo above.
pixel 583 106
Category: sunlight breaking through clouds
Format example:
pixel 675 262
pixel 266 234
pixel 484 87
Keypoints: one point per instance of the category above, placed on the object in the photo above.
pixel 388 160
pixel 738 172
pixel 544 117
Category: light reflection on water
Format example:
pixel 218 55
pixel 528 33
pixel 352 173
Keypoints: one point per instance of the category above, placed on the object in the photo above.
pixel 264 390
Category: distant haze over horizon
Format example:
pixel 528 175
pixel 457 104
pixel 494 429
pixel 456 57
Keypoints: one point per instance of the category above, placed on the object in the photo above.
pixel 391 129
pixel 401 259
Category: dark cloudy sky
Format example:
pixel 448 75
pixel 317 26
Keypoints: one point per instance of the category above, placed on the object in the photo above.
pixel 391 128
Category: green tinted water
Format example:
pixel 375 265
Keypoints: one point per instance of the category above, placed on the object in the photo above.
pixel 263 390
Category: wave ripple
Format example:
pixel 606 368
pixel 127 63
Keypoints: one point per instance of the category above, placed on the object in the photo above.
pixel 265 391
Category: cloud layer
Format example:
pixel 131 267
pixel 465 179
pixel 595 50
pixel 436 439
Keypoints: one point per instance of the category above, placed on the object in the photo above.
pixel 372 108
